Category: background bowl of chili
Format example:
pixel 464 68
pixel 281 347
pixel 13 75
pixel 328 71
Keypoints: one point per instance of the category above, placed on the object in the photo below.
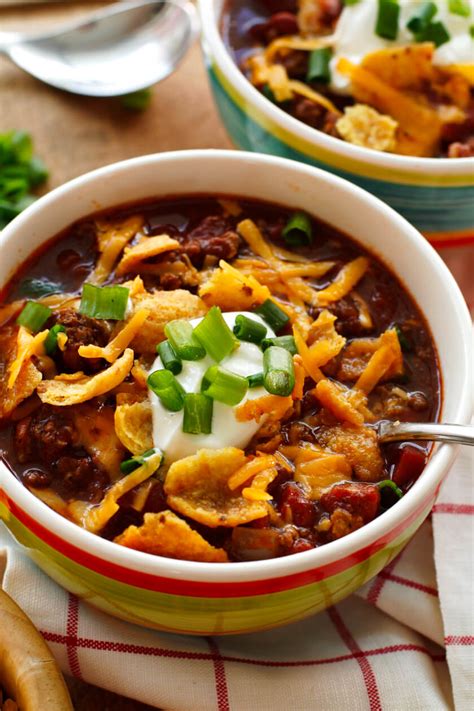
pixel 434 194
pixel 206 598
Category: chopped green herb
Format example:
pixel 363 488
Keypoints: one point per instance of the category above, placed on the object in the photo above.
pixel 104 302
pixel 318 65
pixel 386 25
pixel 165 386
pixel 137 100
pixel 214 335
pixel 33 316
pixel 422 17
pixel 278 371
pixel 51 342
pixel 435 32
pixel 405 342
pixel 287 342
pixel 129 465
pixel 224 386
pixel 459 7
pixel 197 418
pixel 255 380
pixel 247 329
pixel 273 315
pixel 298 230
pixel 185 344
pixel 389 493
pixel 169 358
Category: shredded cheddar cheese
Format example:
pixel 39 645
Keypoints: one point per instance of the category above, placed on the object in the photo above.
pixel 112 239
pixel 344 282
pixel 273 405
pixel 146 248
pixel 27 346
pixel 118 344
pixel 249 470
pixel 331 396
pixel 388 354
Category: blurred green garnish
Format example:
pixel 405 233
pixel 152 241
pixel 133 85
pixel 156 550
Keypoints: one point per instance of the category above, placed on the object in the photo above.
pixel 20 173
pixel 138 101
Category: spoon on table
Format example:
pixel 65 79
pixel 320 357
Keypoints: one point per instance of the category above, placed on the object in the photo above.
pixel 118 50
pixel 396 431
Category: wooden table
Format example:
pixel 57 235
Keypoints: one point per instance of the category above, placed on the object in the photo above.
pixel 75 134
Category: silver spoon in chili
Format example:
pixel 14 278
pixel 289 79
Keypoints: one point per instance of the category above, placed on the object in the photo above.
pixel 396 431
pixel 118 50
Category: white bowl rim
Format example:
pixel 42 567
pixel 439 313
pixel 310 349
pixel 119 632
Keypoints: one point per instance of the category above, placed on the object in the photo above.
pixel 461 167
pixel 251 571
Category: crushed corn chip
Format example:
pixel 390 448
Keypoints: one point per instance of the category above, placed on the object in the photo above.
pixel 96 432
pixel 145 249
pixel 112 239
pixel 250 469
pixel 197 487
pixel 364 126
pixel 26 347
pixel 120 341
pixel 61 392
pixel 166 534
pixel 134 427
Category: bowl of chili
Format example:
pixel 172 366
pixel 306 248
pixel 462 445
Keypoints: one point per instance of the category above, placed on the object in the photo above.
pixel 191 347
pixel 298 48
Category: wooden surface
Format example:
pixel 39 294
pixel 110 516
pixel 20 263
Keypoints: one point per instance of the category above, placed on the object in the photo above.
pixel 75 134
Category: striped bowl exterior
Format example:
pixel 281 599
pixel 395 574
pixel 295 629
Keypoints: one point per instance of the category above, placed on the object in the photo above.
pixel 442 211
pixel 203 608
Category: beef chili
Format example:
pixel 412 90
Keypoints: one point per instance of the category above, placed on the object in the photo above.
pixel 401 84
pixel 201 378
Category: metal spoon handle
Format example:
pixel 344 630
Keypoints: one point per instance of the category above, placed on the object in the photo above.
pixel 394 431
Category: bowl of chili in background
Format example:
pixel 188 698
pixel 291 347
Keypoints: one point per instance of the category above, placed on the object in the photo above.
pixel 207 598
pixel 434 194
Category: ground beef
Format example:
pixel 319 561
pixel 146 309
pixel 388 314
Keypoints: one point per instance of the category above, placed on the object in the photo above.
pixel 48 440
pixel 213 236
pixel 350 506
pixel 81 331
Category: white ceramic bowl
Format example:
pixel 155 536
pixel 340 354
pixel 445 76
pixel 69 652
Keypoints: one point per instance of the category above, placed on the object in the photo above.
pixel 205 598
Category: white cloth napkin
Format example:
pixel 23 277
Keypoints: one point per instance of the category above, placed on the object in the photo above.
pixel 406 641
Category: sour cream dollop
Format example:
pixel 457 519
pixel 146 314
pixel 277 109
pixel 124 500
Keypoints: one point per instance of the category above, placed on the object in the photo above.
pixel 168 433
pixel 355 35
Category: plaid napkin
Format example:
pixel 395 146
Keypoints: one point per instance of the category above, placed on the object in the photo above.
pixel 406 641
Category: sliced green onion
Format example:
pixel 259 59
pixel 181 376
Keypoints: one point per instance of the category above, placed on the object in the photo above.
pixel 51 342
pixel 273 315
pixel 255 380
pixel 38 287
pixel 298 230
pixel 215 335
pixel 104 302
pixel 459 7
pixel 184 342
pixel 389 493
pixel 287 342
pixel 223 385
pixel 386 25
pixel 34 316
pixel 278 371
pixel 165 386
pixel 405 343
pixel 246 329
pixel 422 17
pixel 318 65
pixel 129 465
pixel 435 32
pixel 197 417
pixel 169 358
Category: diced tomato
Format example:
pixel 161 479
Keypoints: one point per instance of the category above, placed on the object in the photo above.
pixel 410 465
pixel 357 498
pixel 295 507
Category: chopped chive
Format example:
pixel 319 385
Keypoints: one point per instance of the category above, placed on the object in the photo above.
pixel 422 17
pixel 104 302
pixel 318 65
pixel 246 329
pixel 184 342
pixel 435 32
pixel 197 417
pixel 287 342
pixel 51 342
pixel 129 465
pixel 273 315
pixel 223 385
pixel 386 25
pixel 255 380
pixel 459 7
pixel 214 335
pixel 165 386
pixel 169 358
pixel 298 230
pixel 390 493
pixel 278 371
pixel 405 342
pixel 34 316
